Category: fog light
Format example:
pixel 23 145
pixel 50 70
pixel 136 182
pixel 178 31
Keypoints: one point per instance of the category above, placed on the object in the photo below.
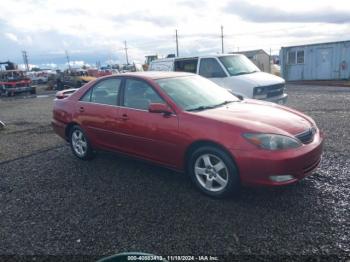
pixel 282 178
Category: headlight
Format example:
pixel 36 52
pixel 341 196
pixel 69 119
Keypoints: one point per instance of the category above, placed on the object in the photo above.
pixel 272 141
pixel 259 90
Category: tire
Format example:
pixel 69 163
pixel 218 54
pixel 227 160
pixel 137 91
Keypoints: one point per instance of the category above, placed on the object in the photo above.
pixel 213 172
pixel 80 144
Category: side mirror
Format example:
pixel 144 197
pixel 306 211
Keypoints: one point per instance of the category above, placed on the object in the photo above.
pixel 159 108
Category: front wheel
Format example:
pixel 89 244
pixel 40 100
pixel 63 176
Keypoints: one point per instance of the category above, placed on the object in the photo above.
pixel 213 172
pixel 80 144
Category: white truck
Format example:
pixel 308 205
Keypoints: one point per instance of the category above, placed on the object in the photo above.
pixel 233 71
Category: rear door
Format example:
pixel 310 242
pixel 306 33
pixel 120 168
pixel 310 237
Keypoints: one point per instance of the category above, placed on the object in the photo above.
pixel 98 112
pixel 149 135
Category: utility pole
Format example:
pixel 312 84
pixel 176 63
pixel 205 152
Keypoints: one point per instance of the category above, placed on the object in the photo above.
pixel 25 60
pixel 222 39
pixel 270 60
pixel 67 56
pixel 126 53
pixel 177 44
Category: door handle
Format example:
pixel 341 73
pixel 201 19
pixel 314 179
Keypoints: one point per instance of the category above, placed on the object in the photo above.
pixel 81 109
pixel 124 117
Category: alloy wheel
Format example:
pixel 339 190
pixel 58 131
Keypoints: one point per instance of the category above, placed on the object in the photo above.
pixel 79 143
pixel 211 172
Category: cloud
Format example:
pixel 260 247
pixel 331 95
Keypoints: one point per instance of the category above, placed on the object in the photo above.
pixel 140 16
pixel 12 37
pixel 263 14
pixel 193 4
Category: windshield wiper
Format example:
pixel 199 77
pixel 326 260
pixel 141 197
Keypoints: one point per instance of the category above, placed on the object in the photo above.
pixel 226 102
pixel 241 73
pixel 245 73
pixel 199 108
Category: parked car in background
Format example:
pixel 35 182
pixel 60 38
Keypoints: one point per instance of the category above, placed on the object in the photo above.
pixel 40 77
pixel 188 123
pixel 235 72
pixel 15 81
pixel 75 78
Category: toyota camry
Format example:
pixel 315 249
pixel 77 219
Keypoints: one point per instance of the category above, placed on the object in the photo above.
pixel 188 123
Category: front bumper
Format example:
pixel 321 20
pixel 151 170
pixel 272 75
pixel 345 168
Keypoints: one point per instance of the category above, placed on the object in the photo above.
pixel 17 89
pixel 256 167
pixel 282 99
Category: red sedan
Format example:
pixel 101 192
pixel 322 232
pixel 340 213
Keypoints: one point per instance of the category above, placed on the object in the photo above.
pixel 188 123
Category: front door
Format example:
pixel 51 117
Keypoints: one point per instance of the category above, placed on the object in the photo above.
pixel 324 63
pixel 148 135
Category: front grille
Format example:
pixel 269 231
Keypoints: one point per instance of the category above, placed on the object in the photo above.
pixel 269 91
pixel 275 90
pixel 307 136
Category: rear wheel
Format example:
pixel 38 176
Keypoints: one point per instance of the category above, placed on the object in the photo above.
pixel 80 144
pixel 213 171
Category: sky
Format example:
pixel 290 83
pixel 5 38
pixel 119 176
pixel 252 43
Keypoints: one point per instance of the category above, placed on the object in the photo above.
pixel 92 31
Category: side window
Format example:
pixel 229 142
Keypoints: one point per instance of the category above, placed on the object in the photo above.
pixel 210 67
pixel 300 57
pixel 291 57
pixel 106 92
pixel 186 65
pixel 87 96
pixel 138 94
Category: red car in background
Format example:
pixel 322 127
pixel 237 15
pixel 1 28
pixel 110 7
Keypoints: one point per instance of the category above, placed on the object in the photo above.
pixel 15 81
pixel 188 123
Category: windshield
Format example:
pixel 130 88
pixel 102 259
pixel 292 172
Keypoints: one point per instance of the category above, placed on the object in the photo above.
pixel 195 92
pixel 238 65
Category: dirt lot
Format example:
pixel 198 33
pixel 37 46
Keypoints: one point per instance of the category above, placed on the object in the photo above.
pixel 52 203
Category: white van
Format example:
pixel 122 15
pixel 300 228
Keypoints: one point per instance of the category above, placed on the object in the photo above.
pixel 234 72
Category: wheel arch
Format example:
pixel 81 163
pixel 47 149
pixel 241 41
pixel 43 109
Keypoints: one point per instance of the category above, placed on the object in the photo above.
pixel 68 128
pixel 200 143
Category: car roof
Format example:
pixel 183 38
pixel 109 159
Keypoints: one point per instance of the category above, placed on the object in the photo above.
pixel 157 74
pixel 192 57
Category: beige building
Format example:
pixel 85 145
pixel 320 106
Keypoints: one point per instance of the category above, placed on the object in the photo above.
pixel 259 57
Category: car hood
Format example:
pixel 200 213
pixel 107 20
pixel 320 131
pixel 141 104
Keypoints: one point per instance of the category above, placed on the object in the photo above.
pixel 262 117
pixel 259 79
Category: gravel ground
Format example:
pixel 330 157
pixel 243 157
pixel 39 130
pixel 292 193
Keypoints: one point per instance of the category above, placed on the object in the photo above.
pixel 53 204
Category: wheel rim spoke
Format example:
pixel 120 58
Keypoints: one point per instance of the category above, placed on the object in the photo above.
pixel 220 180
pixel 206 160
pixel 75 136
pixel 219 166
pixel 83 144
pixel 200 171
pixel 209 184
